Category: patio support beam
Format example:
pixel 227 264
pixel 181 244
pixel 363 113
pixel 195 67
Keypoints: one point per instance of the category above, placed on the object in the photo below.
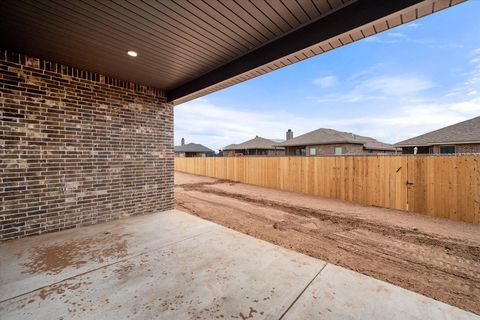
pixel 351 16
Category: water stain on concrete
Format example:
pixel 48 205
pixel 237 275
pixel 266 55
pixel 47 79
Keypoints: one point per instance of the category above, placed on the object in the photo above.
pixel 60 288
pixel 54 258
pixel 123 271
pixel 250 314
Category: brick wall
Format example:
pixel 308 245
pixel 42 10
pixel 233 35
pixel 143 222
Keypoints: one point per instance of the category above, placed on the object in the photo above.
pixel 462 148
pixel 459 148
pixel 468 148
pixel 79 148
pixel 330 149
pixel 259 152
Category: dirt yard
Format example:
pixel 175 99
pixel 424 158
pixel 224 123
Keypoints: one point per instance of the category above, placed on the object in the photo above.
pixel 436 257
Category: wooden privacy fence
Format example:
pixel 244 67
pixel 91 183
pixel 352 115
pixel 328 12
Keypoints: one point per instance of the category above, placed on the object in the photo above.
pixel 443 186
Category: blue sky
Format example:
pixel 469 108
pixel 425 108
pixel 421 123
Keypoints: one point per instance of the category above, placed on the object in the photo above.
pixel 401 83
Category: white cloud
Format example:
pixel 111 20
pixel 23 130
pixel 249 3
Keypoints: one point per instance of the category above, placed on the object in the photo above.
pixel 395 85
pixel 389 38
pixel 471 86
pixel 379 88
pixel 413 25
pixel 399 35
pixel 326 82
pixel 217 126
pixel 474 75
pixel 471 106
pixel 409 36
pixel 475 52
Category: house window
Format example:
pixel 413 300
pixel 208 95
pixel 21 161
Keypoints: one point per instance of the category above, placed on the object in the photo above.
pixel 299 152
pixel 338 150
pixel 313 151
pixel 447 149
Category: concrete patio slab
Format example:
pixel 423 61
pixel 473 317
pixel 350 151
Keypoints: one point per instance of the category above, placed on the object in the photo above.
pixel 341 294
pixel 176 266
pixel 31 263
pixel 214 274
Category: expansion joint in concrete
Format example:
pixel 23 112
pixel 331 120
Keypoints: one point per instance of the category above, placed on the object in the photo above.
pixel 300 294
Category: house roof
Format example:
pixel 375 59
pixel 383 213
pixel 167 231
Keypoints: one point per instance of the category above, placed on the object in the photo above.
pixel 377 145
pixel 463 132
pixel 230 147
pixel 330 136
pixel 255 143
pixel 191 48
pixel 193 147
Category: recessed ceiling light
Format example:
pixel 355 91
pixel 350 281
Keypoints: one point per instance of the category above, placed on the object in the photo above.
pixel 132 53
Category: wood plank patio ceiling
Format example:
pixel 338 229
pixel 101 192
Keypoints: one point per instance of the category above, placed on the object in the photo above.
pixel 178 41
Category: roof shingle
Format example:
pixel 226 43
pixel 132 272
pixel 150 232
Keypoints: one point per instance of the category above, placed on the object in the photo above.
pixel 193 147
pixel 463 132
pixel 330 136
pixel 255 143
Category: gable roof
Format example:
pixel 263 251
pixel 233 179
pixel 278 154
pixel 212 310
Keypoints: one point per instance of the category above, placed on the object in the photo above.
pixel 463 132
pixel 255 143
pixel 330 136
pixel 193 147
pixel 230 147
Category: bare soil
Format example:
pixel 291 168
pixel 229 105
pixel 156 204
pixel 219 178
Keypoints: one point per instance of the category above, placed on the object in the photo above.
pixel 435 257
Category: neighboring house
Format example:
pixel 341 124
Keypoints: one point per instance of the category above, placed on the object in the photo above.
pixel 328 141
pixel 463 137
pixel 192 150
pixel 258 146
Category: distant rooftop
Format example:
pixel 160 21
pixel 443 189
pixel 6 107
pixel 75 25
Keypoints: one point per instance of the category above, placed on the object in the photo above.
pixel 463 132
pixel 330 136
pixel 255 143
pixel 193 147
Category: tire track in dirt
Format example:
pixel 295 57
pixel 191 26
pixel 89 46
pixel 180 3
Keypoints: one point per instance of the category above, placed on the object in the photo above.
pixel 349 223
pixel 443 268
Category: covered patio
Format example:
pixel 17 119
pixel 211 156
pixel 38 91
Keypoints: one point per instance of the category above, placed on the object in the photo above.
pixel 87 96
pixel 88 90
pixel 172 265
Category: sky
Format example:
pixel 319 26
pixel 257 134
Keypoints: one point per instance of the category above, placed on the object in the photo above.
pixel 398 84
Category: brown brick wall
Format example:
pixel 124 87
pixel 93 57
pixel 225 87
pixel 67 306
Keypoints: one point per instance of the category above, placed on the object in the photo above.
pixel 329 149
pixel 468 148
pixel 290 151
pixel 462 148
pixel 459 148
pixel 261 152
pixel 79 148
pixel 420 150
